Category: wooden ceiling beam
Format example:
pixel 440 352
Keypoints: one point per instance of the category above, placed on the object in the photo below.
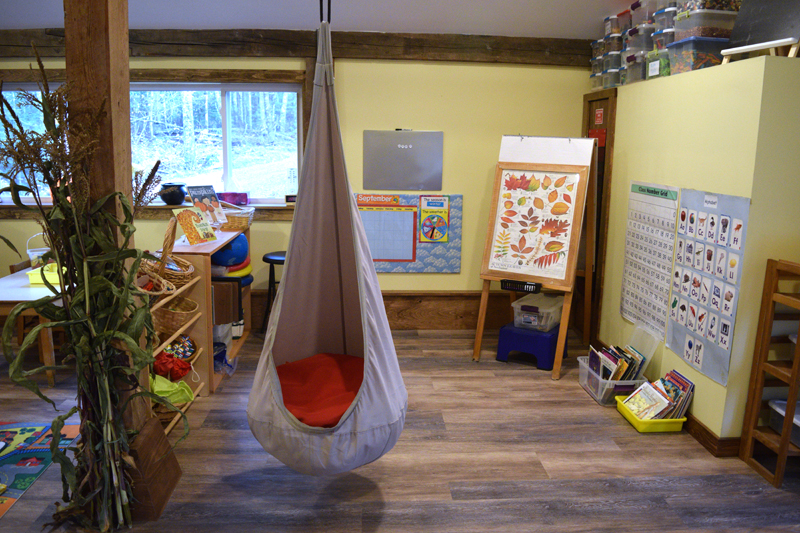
pixel 302 44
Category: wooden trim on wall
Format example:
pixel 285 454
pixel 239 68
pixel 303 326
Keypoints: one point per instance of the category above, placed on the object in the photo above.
pixel 443 310
pixel 302 43
pixel 718 447
pixel 262 213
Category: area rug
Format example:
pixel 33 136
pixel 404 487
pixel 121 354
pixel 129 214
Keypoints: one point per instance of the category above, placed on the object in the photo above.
pixel 26 456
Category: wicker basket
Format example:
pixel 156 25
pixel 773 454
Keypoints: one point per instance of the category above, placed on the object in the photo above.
pixel 170 318
pixel 239 218
pixel 164 414
pixel 161 287
pixel 180 272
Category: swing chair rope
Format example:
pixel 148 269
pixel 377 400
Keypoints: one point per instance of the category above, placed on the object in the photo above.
pixel 322 14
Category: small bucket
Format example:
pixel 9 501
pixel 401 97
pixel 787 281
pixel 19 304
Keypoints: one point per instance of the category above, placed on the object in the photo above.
pixel 36 254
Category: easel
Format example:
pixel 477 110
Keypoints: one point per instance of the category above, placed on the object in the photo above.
pixel 782 47
pixel 565 285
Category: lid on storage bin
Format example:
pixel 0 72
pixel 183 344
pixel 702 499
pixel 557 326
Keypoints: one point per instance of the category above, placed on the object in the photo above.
pixel 662 32
pixel 641 28
pixel 636 56
pixel 610 17
pixel 617 52
pixel 714 12
pixel 661 11
pixel 652 55
pixel 613 36
pixel 540 303
pixel 611 71
pixel 597 42
pixel 780 407
pixel 699 40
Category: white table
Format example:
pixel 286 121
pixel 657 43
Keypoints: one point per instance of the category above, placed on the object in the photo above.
pixel 15 289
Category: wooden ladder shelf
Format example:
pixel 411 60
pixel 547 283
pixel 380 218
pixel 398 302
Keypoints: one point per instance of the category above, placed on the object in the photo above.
pixel 770 373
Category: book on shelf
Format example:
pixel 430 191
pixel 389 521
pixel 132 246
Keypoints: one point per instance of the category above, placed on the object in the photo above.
pixel 204 198
pixel 196 229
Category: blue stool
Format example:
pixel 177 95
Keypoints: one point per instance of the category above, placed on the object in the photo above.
pixel 540 344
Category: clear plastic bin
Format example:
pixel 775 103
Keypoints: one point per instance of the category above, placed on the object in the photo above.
pixel 623 75
pixel 704 23
pixel 597 65
pixel 610 78
pixel 719 5
pixel 603 390
pixel 637 67
pixel 663 38
pixel 598 48
pixel 612 43
pixel 596 81
pixel 541 312
pixel 612 60
pixel 695 53
pixel 641 37
pixel 664 4
pixel 665 18
pixel 658 64
pixel 624 19
pixel 611 25
pixel 642 12
pixel 777 412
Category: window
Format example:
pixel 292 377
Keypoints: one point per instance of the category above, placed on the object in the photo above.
pixel 234 136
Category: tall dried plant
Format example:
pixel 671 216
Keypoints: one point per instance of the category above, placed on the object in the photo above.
pixel 95 301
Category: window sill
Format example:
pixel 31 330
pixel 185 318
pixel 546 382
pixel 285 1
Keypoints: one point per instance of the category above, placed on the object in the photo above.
pixel 263 213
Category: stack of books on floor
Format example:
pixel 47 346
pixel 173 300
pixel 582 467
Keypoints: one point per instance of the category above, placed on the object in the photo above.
pixel 666 398
pixel 616 363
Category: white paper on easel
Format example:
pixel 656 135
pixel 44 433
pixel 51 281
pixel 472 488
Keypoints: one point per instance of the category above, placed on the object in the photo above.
pixel 549 150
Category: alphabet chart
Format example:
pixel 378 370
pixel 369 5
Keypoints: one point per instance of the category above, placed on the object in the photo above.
pixel 706 280
pixel 649 247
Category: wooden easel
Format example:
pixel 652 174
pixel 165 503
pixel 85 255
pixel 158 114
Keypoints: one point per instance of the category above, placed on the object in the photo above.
pixel 565 285
pixel 783 47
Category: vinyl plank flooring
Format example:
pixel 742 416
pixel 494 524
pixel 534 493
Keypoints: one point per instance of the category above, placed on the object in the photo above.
pixel 487 447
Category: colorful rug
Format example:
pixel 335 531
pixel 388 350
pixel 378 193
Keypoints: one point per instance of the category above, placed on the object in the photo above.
pixel 26 456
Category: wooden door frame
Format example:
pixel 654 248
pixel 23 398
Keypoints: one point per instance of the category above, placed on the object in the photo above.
pixel 603 211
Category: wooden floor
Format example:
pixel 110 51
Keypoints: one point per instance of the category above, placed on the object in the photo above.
pixel 487 447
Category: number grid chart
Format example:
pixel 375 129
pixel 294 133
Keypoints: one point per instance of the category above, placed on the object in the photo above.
pixel 649 245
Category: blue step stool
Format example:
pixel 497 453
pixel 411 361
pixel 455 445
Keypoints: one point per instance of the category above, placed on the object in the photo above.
pixel 540 344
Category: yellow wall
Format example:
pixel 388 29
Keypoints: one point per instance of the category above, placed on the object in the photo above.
pixel 473 104
pixel 730 130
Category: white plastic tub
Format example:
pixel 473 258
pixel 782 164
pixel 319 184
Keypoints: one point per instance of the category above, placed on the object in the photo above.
pixel 777 412
pixel 541 312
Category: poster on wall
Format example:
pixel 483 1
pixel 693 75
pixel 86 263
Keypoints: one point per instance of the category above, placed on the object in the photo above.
pixel 535 222
pixel 706 280
pixel 649 244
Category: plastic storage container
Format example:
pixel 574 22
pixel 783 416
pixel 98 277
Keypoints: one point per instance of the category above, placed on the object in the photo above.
pixel 596 81
pixel 541 312
pixel 640 38
pixel 777 412
pixel 658 64
pixel 664 4
pixel 597 65
pixel 637 67
pixel 665 18
pixel 604 391
pixel 719 5
pixel 649 426
pixel 623 75
pixel 612 60
pixel 663 38
pixel 624 20
pixel 610 78
pixel 695 53
pixel 611 25
pixel 704 23
pixel 642 12
pixel 598 48
pixel 612 43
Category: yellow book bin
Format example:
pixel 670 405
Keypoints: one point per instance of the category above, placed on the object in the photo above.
pixel 649 426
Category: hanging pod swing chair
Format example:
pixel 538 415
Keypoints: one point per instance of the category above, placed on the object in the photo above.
pixel 328 395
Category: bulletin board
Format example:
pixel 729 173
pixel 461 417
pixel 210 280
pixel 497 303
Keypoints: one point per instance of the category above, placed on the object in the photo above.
pixel 706 281
pixel 394 238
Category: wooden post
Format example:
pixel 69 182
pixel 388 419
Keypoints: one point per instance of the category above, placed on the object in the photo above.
pixel 96 38
pixel 562 334
pixel 476 352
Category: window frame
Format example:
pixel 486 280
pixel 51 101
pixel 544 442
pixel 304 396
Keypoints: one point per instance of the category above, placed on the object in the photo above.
pixel 302 80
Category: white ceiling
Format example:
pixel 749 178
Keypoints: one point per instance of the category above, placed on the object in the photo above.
pixel 581 19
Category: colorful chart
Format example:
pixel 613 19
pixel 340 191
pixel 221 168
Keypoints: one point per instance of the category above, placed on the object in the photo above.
pixel 434 228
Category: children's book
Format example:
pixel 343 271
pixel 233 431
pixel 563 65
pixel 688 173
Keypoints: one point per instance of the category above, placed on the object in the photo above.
pixel 647 402
pixel 196 229
pixel 205 200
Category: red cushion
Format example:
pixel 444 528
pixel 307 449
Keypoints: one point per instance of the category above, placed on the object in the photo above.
pixel 319 389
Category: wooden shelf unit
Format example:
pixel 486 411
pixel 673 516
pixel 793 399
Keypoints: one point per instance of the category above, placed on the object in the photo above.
pixel 769 373
pixel 201 331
